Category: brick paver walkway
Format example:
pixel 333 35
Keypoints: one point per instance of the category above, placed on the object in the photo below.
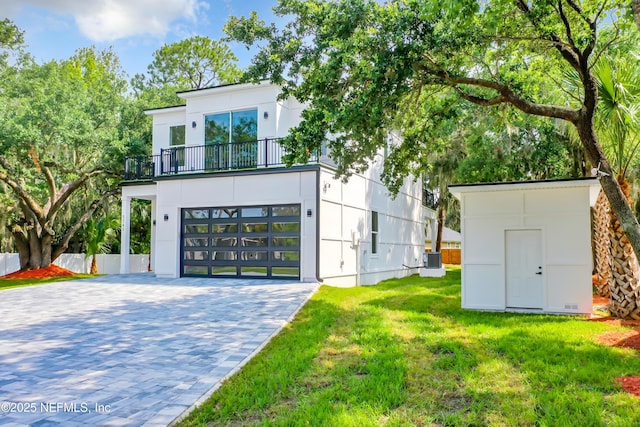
pixel 130 350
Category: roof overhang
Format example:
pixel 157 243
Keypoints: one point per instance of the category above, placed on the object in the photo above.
pixel 592 183
pixel 234 87
pixel 166 110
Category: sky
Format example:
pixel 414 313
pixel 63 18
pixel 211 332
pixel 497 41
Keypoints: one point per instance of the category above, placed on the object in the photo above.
pixel 54 29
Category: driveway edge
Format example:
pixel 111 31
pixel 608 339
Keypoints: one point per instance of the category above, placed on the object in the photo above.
pixel 241 364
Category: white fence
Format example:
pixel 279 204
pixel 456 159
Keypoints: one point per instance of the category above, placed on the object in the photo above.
pixel 80 263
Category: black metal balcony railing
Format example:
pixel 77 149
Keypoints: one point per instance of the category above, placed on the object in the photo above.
pixel 204 158
pixel 429 198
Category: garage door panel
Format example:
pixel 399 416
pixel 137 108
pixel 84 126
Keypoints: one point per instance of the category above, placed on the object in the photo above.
pixel 248 241
pixel 285 272
pixel 256 241
pixel 224 241
pixel 224 270
pixel 224 213
pixel 196 214
pixel 255 212
pixel 224 256
pixel 195 242
pixel 196 270
pixel 196 255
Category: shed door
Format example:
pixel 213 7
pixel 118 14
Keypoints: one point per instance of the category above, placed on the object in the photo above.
pixel 524 268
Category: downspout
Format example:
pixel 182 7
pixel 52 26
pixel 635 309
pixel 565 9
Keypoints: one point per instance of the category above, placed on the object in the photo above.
pixel 356 246
pixel 318 278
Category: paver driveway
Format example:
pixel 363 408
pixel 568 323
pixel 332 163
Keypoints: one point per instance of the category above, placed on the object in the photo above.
pixel 133 349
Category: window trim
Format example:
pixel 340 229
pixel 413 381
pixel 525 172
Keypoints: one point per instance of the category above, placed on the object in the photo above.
pixel 375 232
pixel 178 148
pixel 230 114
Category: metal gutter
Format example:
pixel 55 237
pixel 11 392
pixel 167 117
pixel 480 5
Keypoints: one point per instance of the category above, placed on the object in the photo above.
pixel 318 278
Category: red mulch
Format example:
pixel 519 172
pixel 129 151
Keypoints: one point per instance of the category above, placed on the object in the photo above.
pixel 628 336
pixel 630 384
pixel 598 300
pixel 50 271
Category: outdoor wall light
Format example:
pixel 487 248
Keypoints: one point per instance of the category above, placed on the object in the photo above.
pixel 194 124
pixel 266 115
pixel 309 213
pixel 166 217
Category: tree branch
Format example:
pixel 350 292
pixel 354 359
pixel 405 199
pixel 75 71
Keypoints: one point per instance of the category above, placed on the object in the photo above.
pixel 69 233
pixel 484 102
pixel 50 182
pixel 605 47
pixel 28 214
pixel 22 194
pixel 507 95
pixel 565 21
pixel 65 192
pixel 568 52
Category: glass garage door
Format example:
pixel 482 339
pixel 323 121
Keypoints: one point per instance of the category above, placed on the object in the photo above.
pixel 246 241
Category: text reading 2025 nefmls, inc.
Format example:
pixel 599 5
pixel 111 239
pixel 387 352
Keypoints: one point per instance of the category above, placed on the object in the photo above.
pixel 53 407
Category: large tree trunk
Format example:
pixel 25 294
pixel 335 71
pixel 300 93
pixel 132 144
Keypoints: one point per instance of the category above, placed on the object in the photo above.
pixel 636 12
pixel 438 239
pixel 602 245
pixel 618 203
pixel 34 249
pixel 624 284
pixel 625 235
pixel 23 249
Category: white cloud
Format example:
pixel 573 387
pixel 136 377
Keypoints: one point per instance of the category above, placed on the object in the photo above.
pixel 108 20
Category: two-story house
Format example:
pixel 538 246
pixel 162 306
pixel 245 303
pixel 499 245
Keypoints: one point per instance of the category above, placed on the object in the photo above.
pixel 225 205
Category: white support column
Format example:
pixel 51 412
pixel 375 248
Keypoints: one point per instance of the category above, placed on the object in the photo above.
pixel 125 235
pixel 153 234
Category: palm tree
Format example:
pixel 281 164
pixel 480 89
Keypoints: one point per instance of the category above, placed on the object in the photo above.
pixel 601 245
pixel 618 124
pixel 98 237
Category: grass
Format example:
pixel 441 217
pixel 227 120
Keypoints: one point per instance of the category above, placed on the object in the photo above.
pixel 18 283
pixel 404 353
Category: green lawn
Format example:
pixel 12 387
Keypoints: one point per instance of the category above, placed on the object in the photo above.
pixel 404 353
pixel 17 283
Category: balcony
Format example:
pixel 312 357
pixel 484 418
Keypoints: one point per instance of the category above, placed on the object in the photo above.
pixel 207 158
pixel 429 198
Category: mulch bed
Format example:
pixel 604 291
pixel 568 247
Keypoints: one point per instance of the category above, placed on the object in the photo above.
pixel 630 384
pixel 627 336
pixel 40 273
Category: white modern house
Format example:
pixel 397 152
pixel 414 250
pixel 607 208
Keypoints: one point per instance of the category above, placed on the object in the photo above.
pixel 527 245
pixel 224 204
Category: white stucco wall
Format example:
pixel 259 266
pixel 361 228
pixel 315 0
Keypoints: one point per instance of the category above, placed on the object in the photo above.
pixel 163 119
pixel 233 190
pixel 347 207
pixel 559 209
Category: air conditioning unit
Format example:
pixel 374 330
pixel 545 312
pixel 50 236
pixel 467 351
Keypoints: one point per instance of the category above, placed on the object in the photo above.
pixel 432 260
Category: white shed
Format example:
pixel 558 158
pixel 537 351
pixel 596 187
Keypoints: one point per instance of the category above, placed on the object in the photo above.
pixel 527 245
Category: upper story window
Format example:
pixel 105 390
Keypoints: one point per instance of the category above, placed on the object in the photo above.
pixel 177 139
pixel 231 138
pixel 236 126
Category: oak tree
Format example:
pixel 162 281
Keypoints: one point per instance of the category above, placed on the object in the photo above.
pixel 60 152
pixel 358 63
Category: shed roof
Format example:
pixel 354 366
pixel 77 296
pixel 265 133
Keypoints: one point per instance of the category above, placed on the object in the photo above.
pixel 456 189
